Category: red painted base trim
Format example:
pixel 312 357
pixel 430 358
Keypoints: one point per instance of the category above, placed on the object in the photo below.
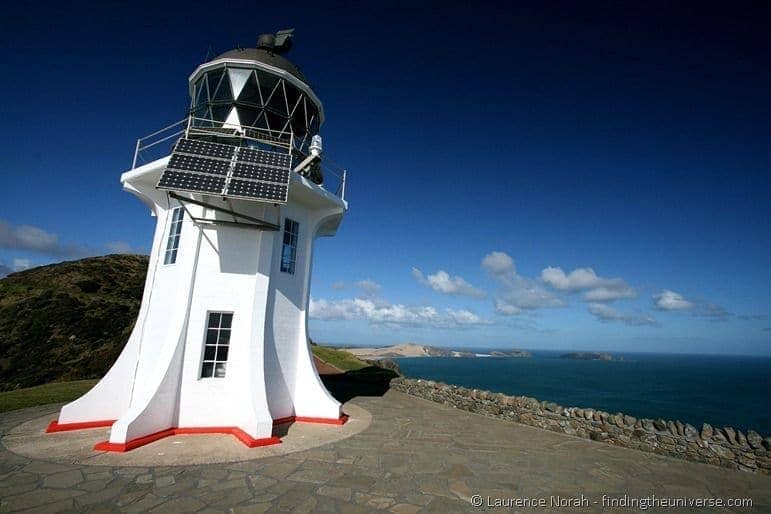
pixel 303 419
pixel 55 426
pixel 281 421
pixel 239 434
pixel 107 446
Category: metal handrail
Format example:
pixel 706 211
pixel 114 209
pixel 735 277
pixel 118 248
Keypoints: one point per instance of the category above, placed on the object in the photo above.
pixel 140 146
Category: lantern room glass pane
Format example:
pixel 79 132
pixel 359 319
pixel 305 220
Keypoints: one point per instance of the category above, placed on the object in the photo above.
pixel 220 112
pixel 293 96
pixel 224 92
pixel 277 102
pixel 268 84
pixel 213 79
pixel 247 116
pixel 201 93
pixel 250 94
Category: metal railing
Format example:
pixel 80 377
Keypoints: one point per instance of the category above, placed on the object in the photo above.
pixel 151 141
pixel 152 147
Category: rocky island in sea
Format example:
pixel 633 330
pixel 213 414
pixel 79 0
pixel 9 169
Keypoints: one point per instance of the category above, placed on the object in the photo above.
pixel 419 350
pixel 590 356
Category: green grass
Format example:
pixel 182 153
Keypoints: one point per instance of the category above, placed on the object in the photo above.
pixel 57 392
pixel 340 359
pixel 54 392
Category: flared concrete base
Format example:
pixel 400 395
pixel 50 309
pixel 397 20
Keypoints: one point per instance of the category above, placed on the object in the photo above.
pixel 31 440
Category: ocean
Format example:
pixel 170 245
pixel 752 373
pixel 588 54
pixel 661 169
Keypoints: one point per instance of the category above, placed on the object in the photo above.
pixel 720 390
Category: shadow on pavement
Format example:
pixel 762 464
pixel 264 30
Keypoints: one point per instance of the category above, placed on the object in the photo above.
pixel 369 381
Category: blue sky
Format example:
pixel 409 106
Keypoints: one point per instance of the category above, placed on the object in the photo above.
pixel 552 175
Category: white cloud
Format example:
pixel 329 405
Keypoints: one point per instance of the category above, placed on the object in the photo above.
pixel 606 313
pixel 578 279
pixel 119 247
pixel 21 264
pixel 712 311
pixel 464 317
pixel 522 293
pixel 509 309
pixel 499 264
pixel 608 294
pixel 28 237
pixel 442 282
pixel 668 300
pixel 339 285
pixel 383 313
pixel 597 289
pixel 369 287
pixel 34 238
pixel 517 293
pixel 671 301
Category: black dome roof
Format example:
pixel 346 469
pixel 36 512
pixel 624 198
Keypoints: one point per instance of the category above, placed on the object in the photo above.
pixel 264 56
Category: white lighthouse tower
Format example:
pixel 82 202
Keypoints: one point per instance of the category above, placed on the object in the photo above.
pixel 220 344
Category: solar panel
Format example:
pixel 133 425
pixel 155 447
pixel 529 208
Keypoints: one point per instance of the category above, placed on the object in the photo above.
pixel 199 164
pixel 198 147
pixel 227 170
pixel 263 157
pixel 264 173
pixel 257 190
pixel 193 182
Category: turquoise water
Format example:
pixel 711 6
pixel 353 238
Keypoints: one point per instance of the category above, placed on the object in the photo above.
pixel 720 390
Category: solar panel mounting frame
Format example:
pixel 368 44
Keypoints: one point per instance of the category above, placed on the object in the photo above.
pixel 248 173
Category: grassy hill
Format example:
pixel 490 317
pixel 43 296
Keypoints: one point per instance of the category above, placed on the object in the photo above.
pixel 70 321
pixel 55 392
pixel 67 321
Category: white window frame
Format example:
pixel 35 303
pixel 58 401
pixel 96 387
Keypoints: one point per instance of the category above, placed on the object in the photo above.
pixel 216 348
pixel 291 236
pixel 177 215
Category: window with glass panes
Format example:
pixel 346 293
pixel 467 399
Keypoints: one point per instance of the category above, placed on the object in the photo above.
pixel 215 352
pixel 289 250
pixel 175 229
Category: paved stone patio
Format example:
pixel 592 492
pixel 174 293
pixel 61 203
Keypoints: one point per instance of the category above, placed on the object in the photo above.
pixel 416 456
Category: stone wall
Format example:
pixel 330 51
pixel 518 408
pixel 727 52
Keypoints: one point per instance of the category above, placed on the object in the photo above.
pixel 724 447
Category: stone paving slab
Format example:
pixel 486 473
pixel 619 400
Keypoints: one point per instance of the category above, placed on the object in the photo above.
pixel 416 456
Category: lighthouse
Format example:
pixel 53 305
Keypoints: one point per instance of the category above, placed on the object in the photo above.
pixel 221 342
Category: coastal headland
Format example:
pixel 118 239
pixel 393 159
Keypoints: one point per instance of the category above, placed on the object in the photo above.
pixel 420 350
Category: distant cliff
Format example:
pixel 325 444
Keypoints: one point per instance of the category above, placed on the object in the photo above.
pixel 67 321
pixel 590 356
pixel 511 353
pixel 419 350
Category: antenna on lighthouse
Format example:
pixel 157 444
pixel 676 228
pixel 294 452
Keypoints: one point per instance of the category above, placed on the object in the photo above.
pixel 280 43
